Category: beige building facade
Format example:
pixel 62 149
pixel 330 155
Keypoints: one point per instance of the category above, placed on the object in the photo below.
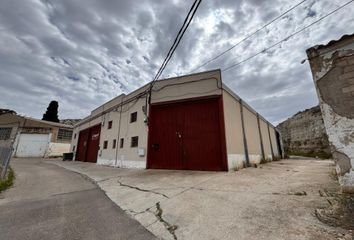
pixel 30 137
pixel 190 122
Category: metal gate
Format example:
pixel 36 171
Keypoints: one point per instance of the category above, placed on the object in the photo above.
pixel 187 135
pixel 88 144
pixel 32 145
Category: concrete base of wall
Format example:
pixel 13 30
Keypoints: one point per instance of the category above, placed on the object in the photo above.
pixel 235 161
pixel 122 163
pixel 57 149
pixel 238 161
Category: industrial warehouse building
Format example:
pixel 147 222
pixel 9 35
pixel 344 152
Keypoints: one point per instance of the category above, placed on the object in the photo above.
pixel 193 122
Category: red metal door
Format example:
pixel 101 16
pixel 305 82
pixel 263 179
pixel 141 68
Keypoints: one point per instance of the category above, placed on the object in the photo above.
pixel 202 148
pixel 82 145
pixel 93 143
pixel 187 135
pixel 165 142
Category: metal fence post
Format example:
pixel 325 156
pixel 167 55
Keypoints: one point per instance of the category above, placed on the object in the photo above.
pixel 5 156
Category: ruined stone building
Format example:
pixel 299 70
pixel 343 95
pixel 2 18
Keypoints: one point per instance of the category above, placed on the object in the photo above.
pixel 304 134
pixel 332 67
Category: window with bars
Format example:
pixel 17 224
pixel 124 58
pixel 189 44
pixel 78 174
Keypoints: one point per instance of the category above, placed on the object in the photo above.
pixel 5 133
pixel 105 144
pixel 114 143
pixel 64 134
pixel 134 141
pixel 133 117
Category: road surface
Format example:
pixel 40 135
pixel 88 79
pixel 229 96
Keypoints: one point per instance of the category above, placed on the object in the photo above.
pixel 49 202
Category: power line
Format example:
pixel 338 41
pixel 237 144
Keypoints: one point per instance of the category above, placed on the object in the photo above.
pixel 178 38
pixel 248 36
pixel 288 37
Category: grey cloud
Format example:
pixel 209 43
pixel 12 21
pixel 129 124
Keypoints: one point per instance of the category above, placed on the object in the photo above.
pixel 85 52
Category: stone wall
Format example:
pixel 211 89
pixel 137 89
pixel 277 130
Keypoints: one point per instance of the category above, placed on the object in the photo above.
pixel 305 134
pixel 332 67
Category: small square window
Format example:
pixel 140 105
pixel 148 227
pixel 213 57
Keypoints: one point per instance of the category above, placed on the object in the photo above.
pixel 105 144
pixel 134 141
pixel 64 134
pixel 121 144
pixel 5 133
pixel 114 143
pixel 133 117
pixel 110 124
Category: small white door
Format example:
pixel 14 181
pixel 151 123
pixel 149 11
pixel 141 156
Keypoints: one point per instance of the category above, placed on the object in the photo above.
pixel 32 145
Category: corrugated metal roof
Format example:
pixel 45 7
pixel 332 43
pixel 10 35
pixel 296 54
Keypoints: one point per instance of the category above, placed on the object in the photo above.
pixel 344 37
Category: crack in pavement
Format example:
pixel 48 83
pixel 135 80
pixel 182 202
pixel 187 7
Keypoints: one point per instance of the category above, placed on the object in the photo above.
pixel 170 228
pixel 141 212
pixel 103 180
pixel 158 214
pixel 140 189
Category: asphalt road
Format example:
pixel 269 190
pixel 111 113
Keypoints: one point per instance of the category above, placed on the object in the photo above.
pixel 48 202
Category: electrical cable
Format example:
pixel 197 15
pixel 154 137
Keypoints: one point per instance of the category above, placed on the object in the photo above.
pixel 287 38
pixel 179 36
pixel 248 36
pixel 178 39
pixel 174 46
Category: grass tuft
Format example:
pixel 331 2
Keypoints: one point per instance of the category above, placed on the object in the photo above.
pixel 8 182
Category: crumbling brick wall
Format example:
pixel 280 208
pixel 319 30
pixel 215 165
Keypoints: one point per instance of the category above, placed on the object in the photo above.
pixel 332 68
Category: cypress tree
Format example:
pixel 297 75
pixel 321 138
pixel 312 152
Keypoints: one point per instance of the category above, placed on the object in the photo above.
pixel 52 112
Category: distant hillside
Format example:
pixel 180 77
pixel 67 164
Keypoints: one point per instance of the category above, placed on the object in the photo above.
pixel 71 122
pixel 304 134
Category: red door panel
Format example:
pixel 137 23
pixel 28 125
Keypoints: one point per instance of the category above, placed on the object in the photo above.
pixel 93 144
pixel 88 144
pixel 201 136
pixel 186 135
pixel 82 145
pixel 165 146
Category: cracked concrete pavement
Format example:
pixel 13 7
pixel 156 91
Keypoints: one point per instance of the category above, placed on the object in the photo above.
pixel 275 201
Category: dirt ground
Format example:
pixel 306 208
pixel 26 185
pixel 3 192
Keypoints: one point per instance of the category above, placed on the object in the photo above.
pixel 276 201
pixel 340 212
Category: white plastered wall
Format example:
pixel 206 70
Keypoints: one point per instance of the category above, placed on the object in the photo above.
pixel 339 128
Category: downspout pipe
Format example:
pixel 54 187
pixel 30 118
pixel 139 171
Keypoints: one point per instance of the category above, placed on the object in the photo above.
pixel 118 134
pixel 244 135
pixel 270 141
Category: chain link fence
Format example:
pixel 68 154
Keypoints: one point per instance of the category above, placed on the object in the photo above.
pixel 5 156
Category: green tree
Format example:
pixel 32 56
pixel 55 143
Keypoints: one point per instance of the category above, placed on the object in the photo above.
pixel 52 112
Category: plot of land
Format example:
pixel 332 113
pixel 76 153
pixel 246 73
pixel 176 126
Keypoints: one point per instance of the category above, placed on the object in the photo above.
pixel 276 201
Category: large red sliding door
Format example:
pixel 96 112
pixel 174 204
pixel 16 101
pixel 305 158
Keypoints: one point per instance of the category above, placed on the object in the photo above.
pixel 187 135
pixel 81 148
pixel 88 144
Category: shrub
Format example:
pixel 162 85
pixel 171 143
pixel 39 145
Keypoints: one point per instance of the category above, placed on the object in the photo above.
pixel 5 184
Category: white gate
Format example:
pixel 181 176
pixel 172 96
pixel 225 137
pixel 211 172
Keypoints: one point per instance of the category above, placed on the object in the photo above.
pixel 32 145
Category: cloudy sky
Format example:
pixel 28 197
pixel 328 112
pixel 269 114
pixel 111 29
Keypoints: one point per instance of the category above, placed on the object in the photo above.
pixel 85 52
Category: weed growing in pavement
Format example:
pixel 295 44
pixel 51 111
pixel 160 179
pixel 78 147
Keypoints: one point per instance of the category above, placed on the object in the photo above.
pixel 5 184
